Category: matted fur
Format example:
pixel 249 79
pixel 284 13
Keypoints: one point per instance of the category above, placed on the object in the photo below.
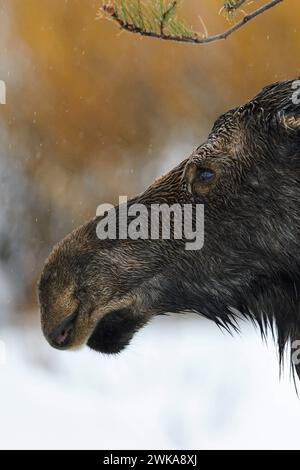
pixel 250 262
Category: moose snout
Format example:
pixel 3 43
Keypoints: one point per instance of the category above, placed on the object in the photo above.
pixel 62 336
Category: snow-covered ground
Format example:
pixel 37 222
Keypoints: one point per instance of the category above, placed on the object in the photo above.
pixel 182 384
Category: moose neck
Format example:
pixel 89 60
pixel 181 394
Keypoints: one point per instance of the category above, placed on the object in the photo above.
pixel 267 300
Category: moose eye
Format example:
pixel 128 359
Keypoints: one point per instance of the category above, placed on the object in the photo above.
pixel 205 175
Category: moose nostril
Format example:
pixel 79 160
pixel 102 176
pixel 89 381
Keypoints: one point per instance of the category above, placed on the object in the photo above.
pixel 61 337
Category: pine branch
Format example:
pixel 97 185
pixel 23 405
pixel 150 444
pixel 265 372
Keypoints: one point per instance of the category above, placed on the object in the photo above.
pixel 158 19
pixel 233 5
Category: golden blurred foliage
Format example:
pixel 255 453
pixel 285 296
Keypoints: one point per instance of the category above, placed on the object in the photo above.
pixel 92 109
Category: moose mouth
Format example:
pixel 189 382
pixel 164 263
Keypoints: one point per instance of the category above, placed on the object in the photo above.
pixel 111 334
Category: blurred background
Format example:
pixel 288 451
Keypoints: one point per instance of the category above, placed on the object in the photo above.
pixel 92 113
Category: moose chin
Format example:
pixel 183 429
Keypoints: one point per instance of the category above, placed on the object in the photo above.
pixel 246 175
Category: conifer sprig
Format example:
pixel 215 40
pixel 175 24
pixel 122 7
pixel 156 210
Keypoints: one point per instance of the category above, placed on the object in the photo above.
pixel 159 19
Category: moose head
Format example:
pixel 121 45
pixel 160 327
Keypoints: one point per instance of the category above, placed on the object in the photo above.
pixel 246 175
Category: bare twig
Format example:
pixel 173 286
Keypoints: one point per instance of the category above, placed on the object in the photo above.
pixel 196 38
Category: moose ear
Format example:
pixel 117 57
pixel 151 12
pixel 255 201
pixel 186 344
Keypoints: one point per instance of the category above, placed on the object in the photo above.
pixel 288 110
pixel 198 177
pixel 289 122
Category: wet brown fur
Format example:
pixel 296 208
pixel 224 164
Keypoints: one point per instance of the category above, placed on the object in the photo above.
pixel 249 265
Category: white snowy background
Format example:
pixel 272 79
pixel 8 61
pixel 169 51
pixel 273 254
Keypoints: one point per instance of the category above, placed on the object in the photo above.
pixel 182 384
